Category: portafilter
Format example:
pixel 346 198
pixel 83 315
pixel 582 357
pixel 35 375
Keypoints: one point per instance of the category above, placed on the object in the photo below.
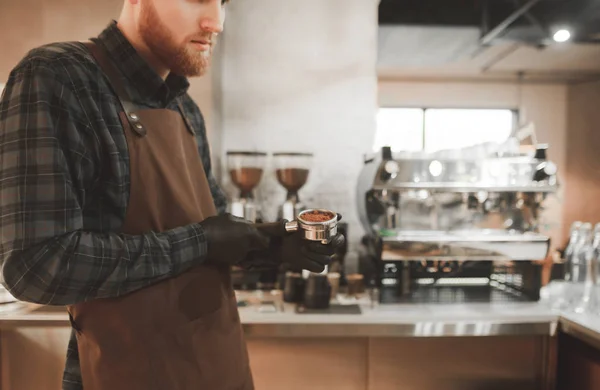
pixel 315 225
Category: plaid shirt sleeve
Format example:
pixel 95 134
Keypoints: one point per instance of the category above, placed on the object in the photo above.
pixel 48 166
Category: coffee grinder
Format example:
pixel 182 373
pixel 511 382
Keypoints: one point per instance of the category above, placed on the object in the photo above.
pixel 292 173
pixel 245 169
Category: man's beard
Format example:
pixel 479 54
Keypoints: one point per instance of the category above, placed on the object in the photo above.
pixel 179 58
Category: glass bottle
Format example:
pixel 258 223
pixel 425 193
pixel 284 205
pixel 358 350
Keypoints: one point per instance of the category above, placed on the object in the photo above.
pixel 556 292
pixel 578 266
pixel 589 300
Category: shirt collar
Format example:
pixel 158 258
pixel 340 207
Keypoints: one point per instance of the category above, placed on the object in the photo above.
pixel 146 86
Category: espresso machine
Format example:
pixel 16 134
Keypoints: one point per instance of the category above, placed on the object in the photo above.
pixel 292 171
pixel 245 170
pixel 447 227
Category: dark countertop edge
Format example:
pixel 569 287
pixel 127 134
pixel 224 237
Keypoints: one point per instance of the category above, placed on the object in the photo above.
pixel 584 329
pixel 450 329
pixel 274 329
pixel 580 331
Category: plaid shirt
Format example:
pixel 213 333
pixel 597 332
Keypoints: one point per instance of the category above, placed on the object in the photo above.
pixel 64 181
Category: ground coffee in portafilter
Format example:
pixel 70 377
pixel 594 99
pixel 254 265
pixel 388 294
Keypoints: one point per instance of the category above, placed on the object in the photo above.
pixel 317 216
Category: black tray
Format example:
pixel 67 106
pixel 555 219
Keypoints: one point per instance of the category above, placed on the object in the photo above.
pixel 332 309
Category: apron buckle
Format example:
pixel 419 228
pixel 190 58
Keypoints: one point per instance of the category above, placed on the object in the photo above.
pixel 136 125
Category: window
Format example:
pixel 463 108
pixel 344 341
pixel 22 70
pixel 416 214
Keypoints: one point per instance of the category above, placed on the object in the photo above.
pixel 430 130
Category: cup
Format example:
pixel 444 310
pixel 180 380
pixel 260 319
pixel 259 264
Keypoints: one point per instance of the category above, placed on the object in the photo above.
pixel 294 288
pixel 318 292
pixel 355 285
pixel 374 297
pixel 334 282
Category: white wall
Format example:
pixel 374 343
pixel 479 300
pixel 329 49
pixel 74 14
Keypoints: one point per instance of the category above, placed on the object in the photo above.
pixel 299 75
pixel 543 104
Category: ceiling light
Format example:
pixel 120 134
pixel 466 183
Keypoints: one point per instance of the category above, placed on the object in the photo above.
pixel 562 36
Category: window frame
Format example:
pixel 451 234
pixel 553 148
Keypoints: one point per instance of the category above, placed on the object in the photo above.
pixel 515 111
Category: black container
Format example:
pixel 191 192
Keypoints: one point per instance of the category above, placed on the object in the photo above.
pixel 541 152
pixel 318 292
pixel 293 291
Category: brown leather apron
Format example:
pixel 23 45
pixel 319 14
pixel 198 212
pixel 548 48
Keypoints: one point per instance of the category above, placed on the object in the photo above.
pixel 183 333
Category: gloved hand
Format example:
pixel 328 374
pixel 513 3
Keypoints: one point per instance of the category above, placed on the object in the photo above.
pixel 293 249
pixel 230 239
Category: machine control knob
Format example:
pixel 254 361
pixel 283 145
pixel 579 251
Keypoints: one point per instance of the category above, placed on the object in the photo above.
pixel 541 152
pixel 544 171
pixel 390 170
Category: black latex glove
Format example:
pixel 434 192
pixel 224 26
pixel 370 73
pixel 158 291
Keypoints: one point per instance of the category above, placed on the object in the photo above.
pixel 293 249
pixel 230 239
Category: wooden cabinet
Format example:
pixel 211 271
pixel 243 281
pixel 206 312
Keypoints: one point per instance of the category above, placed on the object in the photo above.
pixel 457 363
pixel 409 363
pixel 33 358
pixel 578 365
pixel 309 363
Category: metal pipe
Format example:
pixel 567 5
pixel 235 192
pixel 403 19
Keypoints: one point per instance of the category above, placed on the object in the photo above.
pixel 533 20
pixel 496 31
pixel 504 54
pixel 485 17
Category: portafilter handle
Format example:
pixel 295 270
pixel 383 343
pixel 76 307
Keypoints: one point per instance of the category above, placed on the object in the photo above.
pixel 292 226
pixel 274 229
pixel 279 229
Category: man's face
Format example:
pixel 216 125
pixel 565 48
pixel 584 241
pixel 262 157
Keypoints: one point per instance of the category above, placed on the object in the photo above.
pixel 181 33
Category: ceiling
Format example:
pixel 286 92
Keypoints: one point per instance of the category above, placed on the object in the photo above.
pixel 489 38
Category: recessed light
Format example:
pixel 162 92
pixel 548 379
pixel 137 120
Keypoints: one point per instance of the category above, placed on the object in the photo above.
pixel 562 35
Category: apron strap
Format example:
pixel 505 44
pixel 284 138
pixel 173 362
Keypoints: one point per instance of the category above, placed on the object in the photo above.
pixel 188 124
pixel 116 83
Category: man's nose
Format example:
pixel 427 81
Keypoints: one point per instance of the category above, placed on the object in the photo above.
pixel 212 21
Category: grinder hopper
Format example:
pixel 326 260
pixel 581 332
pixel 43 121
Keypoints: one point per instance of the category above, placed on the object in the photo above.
pixel 292 171
pixel 245 170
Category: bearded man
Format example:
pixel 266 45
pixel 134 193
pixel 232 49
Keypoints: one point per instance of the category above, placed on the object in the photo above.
pixel 109 206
